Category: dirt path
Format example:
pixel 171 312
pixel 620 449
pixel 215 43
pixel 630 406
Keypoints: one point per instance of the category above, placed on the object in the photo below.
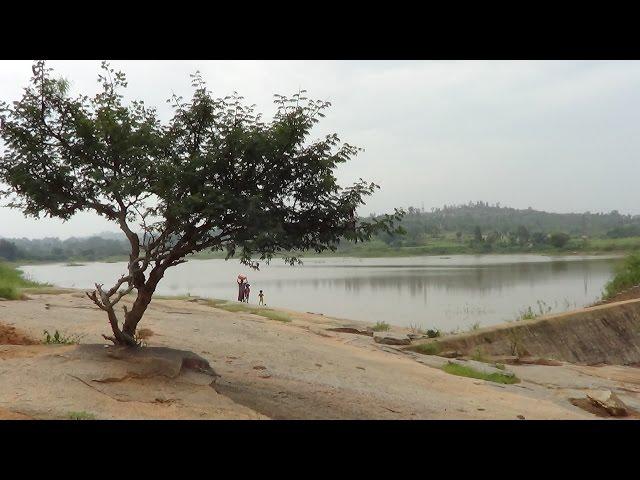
pixel 272 369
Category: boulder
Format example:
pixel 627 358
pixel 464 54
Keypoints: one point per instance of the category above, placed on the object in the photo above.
pixel 390 338
pixel 609 401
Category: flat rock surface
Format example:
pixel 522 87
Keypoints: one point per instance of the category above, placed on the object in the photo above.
pixel 266 368
pixel 52 381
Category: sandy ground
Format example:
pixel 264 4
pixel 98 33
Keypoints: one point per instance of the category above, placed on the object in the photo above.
pixel 269 369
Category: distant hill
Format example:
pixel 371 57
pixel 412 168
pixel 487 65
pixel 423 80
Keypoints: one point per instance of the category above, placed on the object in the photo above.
pixel 495 218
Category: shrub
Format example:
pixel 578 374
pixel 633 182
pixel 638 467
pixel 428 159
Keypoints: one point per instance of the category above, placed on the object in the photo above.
pixel 380 327
pixel 626 275
pixel 59 339
pixel 11 281
pixel 559 239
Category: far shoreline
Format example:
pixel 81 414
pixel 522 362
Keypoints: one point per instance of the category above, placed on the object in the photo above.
pixel 586 253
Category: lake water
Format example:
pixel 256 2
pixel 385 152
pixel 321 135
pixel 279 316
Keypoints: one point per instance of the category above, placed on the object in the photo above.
pixel 440 292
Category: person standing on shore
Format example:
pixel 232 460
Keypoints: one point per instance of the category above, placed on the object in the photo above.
pixel 247 290
pixel 261 297
pixel 241 287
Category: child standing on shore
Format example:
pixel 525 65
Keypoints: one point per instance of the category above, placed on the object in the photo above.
pixel 261 296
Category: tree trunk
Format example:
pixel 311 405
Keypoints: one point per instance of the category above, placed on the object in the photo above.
pixel 145 292
pixel 119 338
pixel 137 311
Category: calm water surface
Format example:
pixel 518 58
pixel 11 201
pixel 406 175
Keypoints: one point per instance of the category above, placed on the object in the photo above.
pixel 441 292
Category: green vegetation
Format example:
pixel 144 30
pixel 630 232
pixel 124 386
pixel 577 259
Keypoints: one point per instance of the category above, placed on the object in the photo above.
pixel 12 282
pixel 627 275
pixel 464 371
pixel 529 313
pixel 244 308
pixel 59 339
pixel 73 250
pixel 483 228
pixel 380 327
pixel 81 416
pixel 426 348
pixel 464 229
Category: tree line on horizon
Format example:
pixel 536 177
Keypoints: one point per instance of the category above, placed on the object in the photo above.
pixel 479 222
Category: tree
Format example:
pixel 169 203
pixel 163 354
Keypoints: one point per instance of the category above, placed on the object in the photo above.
pixel 477 234
pixel 538 238
pixel 8 250
pixel 523 234
pixel 215 177
pixel 558 239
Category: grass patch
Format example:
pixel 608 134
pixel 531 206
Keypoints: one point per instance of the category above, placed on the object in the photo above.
pixel 73 264
pixel 380 327
pixel 59 339
pixel 627 275
pixel 426 348
pixel 81 416
pixel 235 307
pixel 214 302
pixel 274 315
pixel 463 371
pixel 12 282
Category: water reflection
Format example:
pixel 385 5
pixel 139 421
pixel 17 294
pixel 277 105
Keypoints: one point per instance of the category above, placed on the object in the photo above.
pixel 441 292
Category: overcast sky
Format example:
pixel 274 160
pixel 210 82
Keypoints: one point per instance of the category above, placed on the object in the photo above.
pixel 557 136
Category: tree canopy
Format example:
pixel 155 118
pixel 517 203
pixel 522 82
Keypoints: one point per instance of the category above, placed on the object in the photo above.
pixel 215 176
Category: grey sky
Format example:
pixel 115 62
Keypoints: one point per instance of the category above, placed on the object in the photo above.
pixel 556 136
